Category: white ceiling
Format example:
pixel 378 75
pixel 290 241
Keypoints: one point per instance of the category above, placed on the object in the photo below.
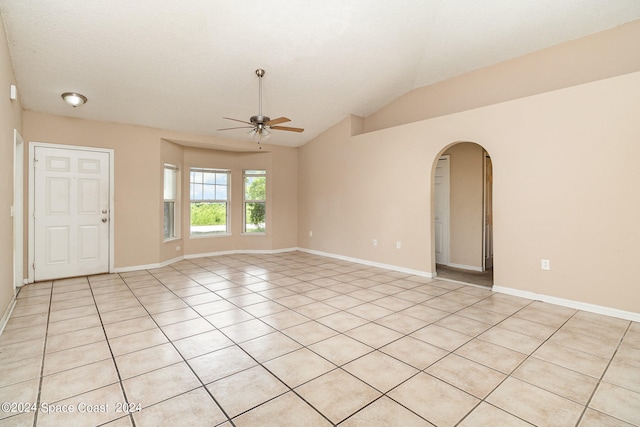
pixel 184 64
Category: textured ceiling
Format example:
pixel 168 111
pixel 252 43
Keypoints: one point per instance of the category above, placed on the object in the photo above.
pixel 184 64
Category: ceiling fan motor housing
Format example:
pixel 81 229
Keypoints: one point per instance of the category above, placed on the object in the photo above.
pixel 259 119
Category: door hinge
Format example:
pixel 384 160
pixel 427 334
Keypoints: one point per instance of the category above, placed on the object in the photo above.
pixel 34 266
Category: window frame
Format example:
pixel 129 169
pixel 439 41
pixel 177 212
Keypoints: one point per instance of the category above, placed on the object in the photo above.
pixel 175 200
pixel 226 202
pixel 247 173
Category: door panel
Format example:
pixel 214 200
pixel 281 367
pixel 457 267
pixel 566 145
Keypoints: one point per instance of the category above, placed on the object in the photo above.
pixel 58 245
pixel 89 240
pixel 71 193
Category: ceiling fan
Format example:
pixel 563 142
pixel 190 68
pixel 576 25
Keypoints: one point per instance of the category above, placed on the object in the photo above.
pixel 262 125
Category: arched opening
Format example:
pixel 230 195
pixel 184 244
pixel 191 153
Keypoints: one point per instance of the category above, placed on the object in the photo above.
pixel 463 214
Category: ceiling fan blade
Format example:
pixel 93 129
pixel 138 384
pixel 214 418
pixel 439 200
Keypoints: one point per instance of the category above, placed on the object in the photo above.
pixel 290 129
pixel 236 120
pixel 277 121
pixel 241 127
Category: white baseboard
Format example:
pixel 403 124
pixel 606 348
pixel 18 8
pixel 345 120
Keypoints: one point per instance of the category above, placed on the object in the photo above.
pixel 593 308
pixel 242 252
pixel 7 314
pixel 193 256
pixel 370 263
pixel 464 267
pixel 473 285
pixel 147 266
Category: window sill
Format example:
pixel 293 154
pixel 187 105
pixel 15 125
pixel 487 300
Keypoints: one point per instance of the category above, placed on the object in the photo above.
pixel 171 239
pixel 206 236
pixel 253 234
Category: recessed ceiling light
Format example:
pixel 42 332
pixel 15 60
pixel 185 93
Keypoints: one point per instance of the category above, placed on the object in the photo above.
pixel 74 99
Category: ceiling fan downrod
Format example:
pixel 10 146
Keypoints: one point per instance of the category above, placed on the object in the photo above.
pixel 259 118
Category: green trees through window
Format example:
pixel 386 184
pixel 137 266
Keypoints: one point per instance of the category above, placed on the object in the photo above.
pixel 210 209
pixel 255 196
pixel 209 194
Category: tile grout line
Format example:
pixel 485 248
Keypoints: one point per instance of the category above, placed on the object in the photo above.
pixel 386 394
pixel 124 393
pixel 44 355
pixel 534 385
pixel 291 389
pixel 604 372
pixel 177 351
pixel 512 371
pixel 343 333
pixel 340 367
pixel 494 325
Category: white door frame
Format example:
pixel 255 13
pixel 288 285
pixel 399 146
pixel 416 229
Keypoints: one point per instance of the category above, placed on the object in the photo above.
pixel 17 210
pixel 487 198
pixel 446 230
pixel 32 148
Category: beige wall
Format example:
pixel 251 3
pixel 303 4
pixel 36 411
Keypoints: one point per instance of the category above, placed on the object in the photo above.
pixel 601 55
pixel 466 170
pixel 140 153
pixel 356 189
pixel 136 176
pixel 566 173
pixel 10 119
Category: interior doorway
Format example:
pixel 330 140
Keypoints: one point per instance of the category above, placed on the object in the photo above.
pixel 463 214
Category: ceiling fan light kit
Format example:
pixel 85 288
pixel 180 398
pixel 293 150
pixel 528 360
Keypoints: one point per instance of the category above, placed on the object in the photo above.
pixel 260 126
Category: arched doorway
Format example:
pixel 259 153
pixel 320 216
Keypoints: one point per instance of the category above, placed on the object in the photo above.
pixel 463 214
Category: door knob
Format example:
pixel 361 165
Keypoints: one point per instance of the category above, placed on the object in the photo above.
pixel 104 220
pixel 104 211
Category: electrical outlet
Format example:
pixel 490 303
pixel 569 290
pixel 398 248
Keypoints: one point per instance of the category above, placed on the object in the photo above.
pixel 177 248
pixel 310 233
pixel 398 245
pixel 545 264
pixel 375 242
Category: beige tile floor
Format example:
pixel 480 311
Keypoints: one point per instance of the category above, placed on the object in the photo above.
pixel 300 340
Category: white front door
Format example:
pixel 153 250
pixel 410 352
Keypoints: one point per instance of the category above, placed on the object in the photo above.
pixel 441 210
pixel 71 212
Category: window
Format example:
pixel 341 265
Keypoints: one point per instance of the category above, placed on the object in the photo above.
pixel 170 199
pixel 255 196
pixel 209 190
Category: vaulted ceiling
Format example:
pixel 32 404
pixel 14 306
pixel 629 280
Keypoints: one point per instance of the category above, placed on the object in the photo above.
pixel 184 65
